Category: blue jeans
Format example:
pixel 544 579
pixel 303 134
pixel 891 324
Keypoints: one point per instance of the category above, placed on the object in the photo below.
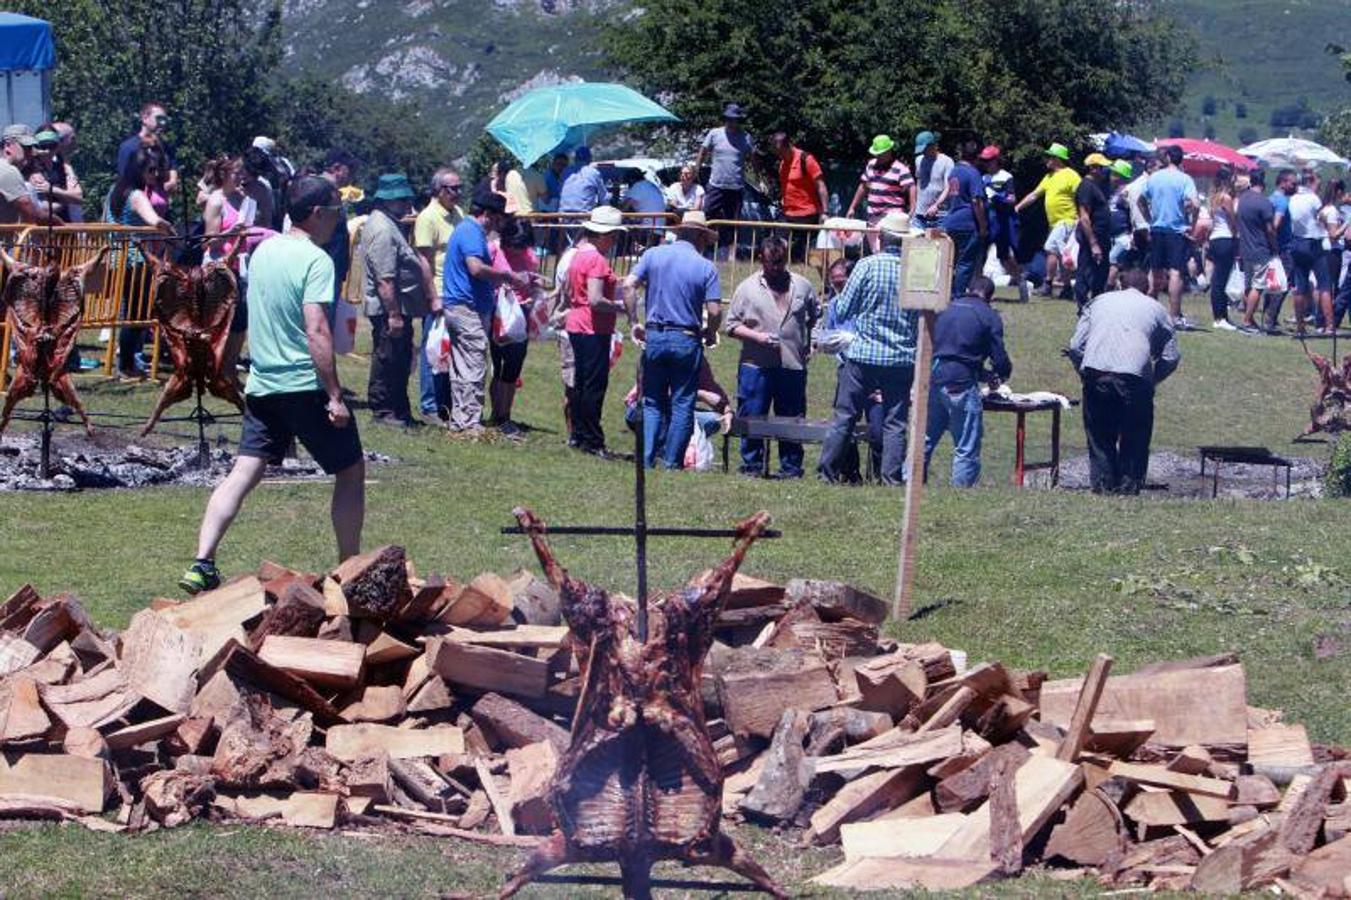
pixel 970 252
pixel 856 382
pixel 426 383
pixel 961 416
pixel 757 391
pixel 670 383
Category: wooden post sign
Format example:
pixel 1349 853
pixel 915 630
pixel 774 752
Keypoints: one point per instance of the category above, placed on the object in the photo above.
pixel 926 285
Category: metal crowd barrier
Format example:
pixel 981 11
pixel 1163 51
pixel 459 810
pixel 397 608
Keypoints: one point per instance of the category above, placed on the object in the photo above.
pixel 738 243
pixel 104 299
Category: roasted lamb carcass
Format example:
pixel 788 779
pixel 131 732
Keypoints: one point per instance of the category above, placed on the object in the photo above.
pixel 1331 409
pixel 44 305
pixel 194 307
pixel 640 781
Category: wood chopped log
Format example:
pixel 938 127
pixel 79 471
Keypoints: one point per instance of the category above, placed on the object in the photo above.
pixel 71 781
pixel 786 772
pixel 351 742
pixel 930 874
pixel 1093 833
pixel 1249 862
pixel 332 665
pixel 1326 871
pixel 311 809
pixel 15 653
pixel 488 669
pixel 21 716
pixel 85 742
pixel 970 787
pixel 369 777
pixel 1084 708
pixel 1166 808
pixel 433 695
pixel 159 660
pixel 946 714
pixel 898 838
pixel 376 703
pixel 1299 830
pixel 419 780
pixel 1041 786
pixel 835 600
pixel 521 637
pixel 508 724
pixel 890 684
pixel 1191 760
pixel 533 601
pixel 1279 745
pixel 94 702
pixel 1160 776
pixel 298 612
pixel 385 648
pixel 501 808
pixel 215 617
pixel 863 797
pixel 175 798
pixel 486 600
pixel 244 666
pixel 895 749
pixel 1006 839
pixel 532 769
pixel 757 686
pixel 375 585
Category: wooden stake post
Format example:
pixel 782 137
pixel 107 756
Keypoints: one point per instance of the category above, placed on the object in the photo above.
pixel 926 285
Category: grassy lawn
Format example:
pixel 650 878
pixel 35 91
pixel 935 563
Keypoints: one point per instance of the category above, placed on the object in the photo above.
pixel 1034 578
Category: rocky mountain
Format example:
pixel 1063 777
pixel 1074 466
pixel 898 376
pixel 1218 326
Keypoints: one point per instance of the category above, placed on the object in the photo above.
pixel 460 60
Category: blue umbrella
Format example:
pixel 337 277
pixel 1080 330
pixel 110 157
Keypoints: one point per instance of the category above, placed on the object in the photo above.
pixel 565 116
pixel 1120 145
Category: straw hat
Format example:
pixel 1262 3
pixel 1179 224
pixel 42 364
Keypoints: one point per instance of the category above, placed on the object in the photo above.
pixel 605 219
pixel 695 220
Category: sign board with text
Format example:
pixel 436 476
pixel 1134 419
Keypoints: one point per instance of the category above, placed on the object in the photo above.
pixel 926 271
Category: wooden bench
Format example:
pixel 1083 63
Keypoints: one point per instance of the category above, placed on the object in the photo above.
pixel 784 428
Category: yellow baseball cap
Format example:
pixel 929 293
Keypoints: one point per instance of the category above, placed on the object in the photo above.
pixel 1097 159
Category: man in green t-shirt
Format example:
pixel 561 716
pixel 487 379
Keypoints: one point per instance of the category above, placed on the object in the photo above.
pixel 292 391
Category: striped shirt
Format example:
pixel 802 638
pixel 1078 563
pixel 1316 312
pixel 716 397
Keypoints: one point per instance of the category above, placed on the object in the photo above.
pixel 884 334
pixel 888 189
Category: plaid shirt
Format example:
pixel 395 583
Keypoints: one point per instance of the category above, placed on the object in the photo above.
pixel 885 334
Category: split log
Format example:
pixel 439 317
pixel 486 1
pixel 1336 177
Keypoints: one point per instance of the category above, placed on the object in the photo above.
pixel 15 653
pixel 1165 808
pixel 757 685
pixel 534 602
pixel 175 798
pixel 1159 776
pixel 898 838
pixel 1084 708
pixel 930 874
pixel 433 695
pixel 890 684
pixel 835 600
pixel 333 665
pixel 298 612
pixel 863 797
pixel 22 716
pixel 85 742
pixel 160 660
pixel 93 702
pixel 421 782
pixel 1118 737
pixel 377 703
pixel 484 601
pixel 488 669
pixel 215 617
pixel 311 809
pixel 532 769
pixel 1244 864
pixel 1326 871
pixel 522 637
pixel 1256 791
pixel 1299 830
pixel 970 787
pixel 1191 760
pixel 144 732
pixel 244 665
pixel 1041 786
pixel 350 742
pixel 786 773
pixel 1093 833
pixel 385 648
pixel 895 749
pixel 72 781
pixel 369 777
pixel 1279 745
pixel 1006 839
pixel 501 808
pixel 375 585
pixel 512 725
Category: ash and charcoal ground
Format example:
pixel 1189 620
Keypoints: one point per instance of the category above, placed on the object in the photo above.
pixel 107 461
pixel 1178 475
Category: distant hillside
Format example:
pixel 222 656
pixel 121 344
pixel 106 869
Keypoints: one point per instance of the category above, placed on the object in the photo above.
pixel 463 60
pixel 1260 57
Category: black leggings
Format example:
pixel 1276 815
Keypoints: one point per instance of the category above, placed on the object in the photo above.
pixel 1222 263
pixel 130 340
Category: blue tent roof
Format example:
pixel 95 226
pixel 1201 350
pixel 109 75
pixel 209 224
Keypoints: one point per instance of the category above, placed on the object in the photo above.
pixel 25 43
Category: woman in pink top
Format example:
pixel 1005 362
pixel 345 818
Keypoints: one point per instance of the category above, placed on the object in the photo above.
pixel 591 324
pixel 512 253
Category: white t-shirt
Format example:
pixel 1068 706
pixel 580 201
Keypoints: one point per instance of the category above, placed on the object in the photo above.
pixel 683 200
pixel 1134 191
pixel 1304 221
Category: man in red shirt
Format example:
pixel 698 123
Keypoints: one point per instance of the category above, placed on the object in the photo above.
pixel 802 186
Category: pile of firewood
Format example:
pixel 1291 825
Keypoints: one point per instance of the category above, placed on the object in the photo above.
pixel 371 695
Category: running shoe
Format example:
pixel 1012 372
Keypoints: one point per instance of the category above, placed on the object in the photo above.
pixel 1223 325
pixel 200 577
pixel 1024 290
pixel 1250 329
pixel 1182 323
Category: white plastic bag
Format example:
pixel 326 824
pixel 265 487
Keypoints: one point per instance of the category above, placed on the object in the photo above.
pixel 344 327
pixel 838 233
pixel 1272 277
pixel 1233 288
pixel 438 347
pixel 699 452
pixel 1069 256
pixel 508 320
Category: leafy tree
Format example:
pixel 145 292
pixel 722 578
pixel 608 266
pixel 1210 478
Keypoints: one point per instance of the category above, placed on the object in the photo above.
pixel 1177 129
pixel 835 73
pixel 1208 106
pixel 1336 132
pixel 1248 135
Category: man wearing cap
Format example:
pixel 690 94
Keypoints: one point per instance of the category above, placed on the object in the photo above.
pixel 593 308
pixel 293 392
pixel 1123 347
pixel 728 147
pixel 55 180
pixel 397 290
pixel 1094 230
pixel 1171 201
pixel 965 221
pixel 431 234
pixel 886 182
pixel 153 122
pixel 933 173
pixel 1057 187
pixel 1002 220
pixel 1123 175
pixel 682 288
pixel 802 186
pixel 468 280
pixel 584 188
pixel 880 357
pixel 16 201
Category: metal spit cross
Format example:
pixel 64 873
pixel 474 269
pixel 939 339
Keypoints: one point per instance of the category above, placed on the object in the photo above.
pixel 641 531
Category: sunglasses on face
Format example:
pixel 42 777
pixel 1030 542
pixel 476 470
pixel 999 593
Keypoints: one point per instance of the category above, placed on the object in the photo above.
pixel 453 188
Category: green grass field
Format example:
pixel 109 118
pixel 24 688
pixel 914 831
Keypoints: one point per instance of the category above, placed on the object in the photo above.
pixel 1034 578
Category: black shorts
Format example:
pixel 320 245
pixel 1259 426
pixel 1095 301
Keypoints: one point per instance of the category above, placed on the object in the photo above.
pixel 1168 250
pixel 1309 258
pixel 508 360
pixel 272 421
pixel 722 203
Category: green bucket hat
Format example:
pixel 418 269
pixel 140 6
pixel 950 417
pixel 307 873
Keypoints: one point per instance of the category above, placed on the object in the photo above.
pixel 881 144
pixel 393 186
pixel 1123 168
pixel 1059 151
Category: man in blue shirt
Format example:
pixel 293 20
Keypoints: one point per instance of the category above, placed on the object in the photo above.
pixel 153 122
pixel 1287 185
pixel 468 280
pixel 681 287
pixel 965 222
pixel 583 189
pixel 881 355
pixel 966 334
pixel 1170 201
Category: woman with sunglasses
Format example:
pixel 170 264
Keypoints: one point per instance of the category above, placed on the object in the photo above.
pixel 130 204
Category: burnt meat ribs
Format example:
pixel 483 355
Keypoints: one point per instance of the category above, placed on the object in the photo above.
pixel 194 306
pixel 1331 410
pixel 44 305
pixel 640 781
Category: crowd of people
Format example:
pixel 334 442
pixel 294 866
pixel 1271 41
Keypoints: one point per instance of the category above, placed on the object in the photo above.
pixel 464 270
